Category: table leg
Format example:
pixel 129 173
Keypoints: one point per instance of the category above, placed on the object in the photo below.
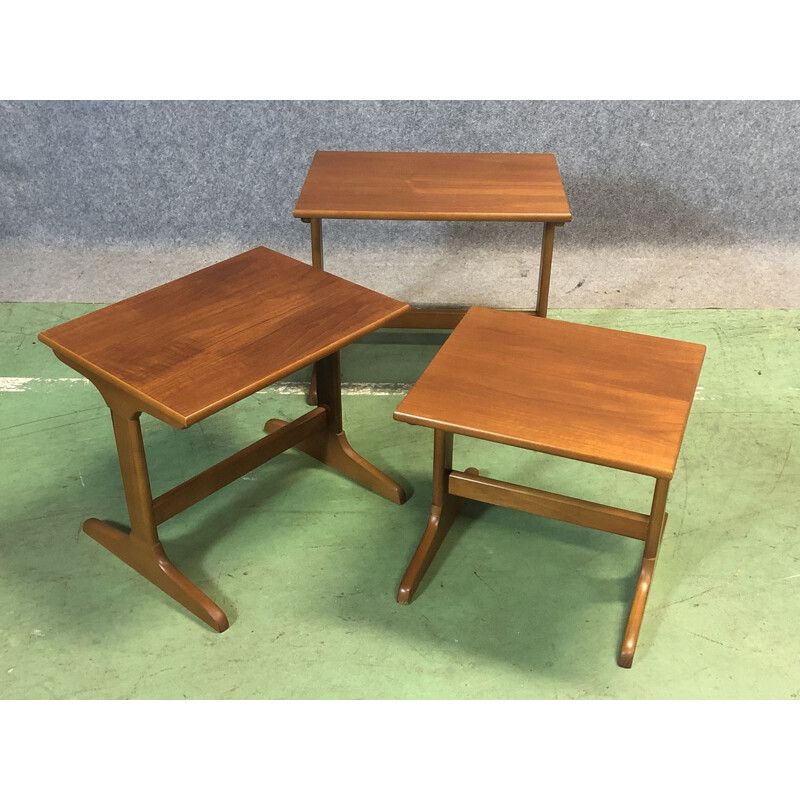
pixel 330 446
pixel 545 262
pixel 141 548
pixel 655 529
pixel 317 260
pixel 444 509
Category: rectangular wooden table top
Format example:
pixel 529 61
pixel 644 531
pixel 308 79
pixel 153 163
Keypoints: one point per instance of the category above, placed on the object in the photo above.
pixel 593 394
pixel 200 343
pixel 434 186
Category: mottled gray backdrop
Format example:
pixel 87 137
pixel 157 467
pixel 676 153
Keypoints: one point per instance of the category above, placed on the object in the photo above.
pixel 686 204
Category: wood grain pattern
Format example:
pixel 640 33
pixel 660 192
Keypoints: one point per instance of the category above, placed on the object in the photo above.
pixel 604 396
pixel 198 344
pixel 524 187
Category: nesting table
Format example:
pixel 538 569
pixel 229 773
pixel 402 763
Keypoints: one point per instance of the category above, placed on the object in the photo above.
pixel 187 349
pixel 603 396
pixel 477 187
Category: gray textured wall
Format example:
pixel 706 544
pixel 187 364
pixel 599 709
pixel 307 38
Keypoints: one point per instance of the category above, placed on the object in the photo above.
pixel 98 199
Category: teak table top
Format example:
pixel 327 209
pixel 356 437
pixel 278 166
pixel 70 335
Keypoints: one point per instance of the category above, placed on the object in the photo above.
pixel 593 394
pixel 434 186
pixel 200 343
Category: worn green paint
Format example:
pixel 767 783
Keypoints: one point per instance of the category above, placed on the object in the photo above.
pixel 306 564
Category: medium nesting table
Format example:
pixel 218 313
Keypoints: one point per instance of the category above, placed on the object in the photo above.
pixel 187 349
pixel 592 394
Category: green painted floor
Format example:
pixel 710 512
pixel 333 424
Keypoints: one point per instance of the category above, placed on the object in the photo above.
pixel 306 564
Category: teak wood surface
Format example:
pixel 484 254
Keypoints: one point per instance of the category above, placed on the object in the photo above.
pixel 197 344
pixel 510 187
pixel 191 347
pixel 592 394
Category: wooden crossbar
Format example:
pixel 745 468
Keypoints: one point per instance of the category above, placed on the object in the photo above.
pixel 214 478
pixel 547 504
pixel 432 318
pixel 444 319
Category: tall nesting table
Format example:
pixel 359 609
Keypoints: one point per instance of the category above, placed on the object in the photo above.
pixel 187 349
pixel 482 187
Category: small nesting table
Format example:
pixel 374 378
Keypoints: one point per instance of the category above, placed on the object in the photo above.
pixel 187 349
pixel 592 394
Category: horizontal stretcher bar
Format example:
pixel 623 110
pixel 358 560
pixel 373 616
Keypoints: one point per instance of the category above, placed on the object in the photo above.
pixel 214 478
pixel 431 318
pixel 547 504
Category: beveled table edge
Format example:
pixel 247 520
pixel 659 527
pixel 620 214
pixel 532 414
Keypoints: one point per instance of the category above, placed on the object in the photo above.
pixel 433 216
pixel 525 444
pixel 181 421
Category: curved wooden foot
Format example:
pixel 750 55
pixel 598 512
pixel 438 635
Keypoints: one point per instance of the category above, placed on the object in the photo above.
pixel 639 601
pixel 151 561
pixel 637 613
pixel 439 523
pixel 334 450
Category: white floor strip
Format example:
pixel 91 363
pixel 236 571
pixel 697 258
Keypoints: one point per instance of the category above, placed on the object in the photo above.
pixel 289 387
pixel 24 384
